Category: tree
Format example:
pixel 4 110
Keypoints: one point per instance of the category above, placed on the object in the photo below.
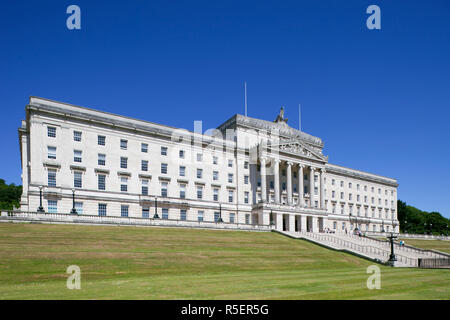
pixel 9 195
pixel 413 220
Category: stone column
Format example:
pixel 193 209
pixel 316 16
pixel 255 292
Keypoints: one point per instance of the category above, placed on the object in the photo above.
pixel 265 219
pixel 279 221
pixel 301 199
pixel 276 182
pixel 254 179
pixel 315 224
pixel 303 222
pixel 289 183
pixel 291 223
pixel 263 180
pixel 322 186
pixel 311 187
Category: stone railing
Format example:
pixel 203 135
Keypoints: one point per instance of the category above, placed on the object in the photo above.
pixel 363 248
pixel 407 235
pixel 132 221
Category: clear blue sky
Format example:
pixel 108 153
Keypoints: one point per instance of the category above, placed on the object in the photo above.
pixel 379 99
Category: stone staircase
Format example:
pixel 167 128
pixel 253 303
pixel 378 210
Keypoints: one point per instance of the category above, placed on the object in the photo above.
pixel 369 248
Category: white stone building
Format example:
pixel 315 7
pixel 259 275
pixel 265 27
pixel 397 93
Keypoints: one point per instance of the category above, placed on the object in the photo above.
pixel 247 171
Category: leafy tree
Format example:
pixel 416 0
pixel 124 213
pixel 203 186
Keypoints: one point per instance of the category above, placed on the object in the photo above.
pixel 413 220
pixel 9 195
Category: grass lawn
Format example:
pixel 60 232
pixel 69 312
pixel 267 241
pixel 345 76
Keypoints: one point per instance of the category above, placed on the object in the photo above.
pixel 440 245
pixel 170 263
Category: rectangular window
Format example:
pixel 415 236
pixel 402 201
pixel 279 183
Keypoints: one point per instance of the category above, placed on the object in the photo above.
pixel 199 157
pixel 271 184
pixel 230 163
pixel 102 209
pixel 232 215
pixel 101 140
pixel 230 178
pixel 182 171
pixel 77 136
pixel 101 159
pixel 123 162
pixel 51 178
pixel 101 182
pixel 316 191
pixel 163 189
pixel 124 184
pixel 216 216
pixel 123 144
pixel 181 154
pixel 245 164
pixel 164 168
pixel 183 214
pixel 52 206
pixel 77 180
pixel 77 156
pixel 164 151
pixel 230 195
pixel 165 213
pixel 216 194
pixel 246 195
pixel 51 152
pixel 144 147
pixel 215 159
pixel 144 165
pixel 247 219
pixel 200 215
pixel 215 175
pixel 145 187
pixel 51 132
pixel 145 212
pixel 245 179
pixel 199 192
pixel 124 211
pixel 182 191
pixel 79 207
pixel 199 173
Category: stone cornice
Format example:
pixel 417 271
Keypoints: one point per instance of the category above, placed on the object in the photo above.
pixel 360 175
pixel 283 129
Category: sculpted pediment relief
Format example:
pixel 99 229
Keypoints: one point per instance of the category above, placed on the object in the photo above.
pixel 299 148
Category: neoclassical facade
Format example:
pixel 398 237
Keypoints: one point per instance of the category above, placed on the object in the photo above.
pixel 246 171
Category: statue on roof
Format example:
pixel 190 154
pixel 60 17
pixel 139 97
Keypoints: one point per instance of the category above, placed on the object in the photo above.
pixel 280 118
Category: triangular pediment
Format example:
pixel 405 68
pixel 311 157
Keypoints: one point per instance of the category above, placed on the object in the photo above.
pixel 298 148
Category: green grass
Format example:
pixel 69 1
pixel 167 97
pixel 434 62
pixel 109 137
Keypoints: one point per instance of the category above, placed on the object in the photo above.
pixel 168 263
pixel 440 245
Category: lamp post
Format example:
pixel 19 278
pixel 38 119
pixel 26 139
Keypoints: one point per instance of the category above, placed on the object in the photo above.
pixel 220 213
pixel 406 229
pixel 392 257
pixel 431 228
pixel 156 209
pixel 424 228
pixel 73 211
pixel 40 208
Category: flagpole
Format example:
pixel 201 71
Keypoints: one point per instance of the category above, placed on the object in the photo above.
pixel 245 97
pixel 299 118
